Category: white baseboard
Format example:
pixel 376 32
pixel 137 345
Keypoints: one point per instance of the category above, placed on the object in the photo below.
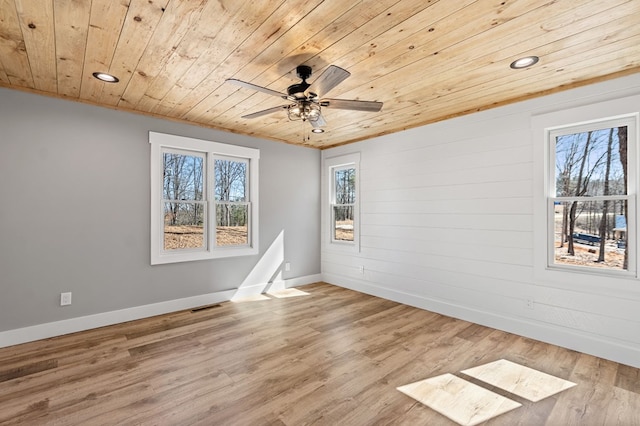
pixel 556 335
pixel 72 325
pixel 308 279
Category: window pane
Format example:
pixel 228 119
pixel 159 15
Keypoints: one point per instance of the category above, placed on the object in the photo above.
pixel 591 163
pixel 232 227
pixel 343 223
pixel 183 177
pixel 345 181
pixel 231 180
pixel 591 234
pixel 183 226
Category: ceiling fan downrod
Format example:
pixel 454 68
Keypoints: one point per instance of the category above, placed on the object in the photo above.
pixel 297 90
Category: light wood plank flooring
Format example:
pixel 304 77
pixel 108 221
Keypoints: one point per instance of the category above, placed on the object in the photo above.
pixel 332 357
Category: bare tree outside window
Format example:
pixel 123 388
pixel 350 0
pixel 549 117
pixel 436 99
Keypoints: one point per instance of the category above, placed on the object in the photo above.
pixel 232 208
pixel 344 181
pixel 184 208
pixel 591 198
pixel 622 133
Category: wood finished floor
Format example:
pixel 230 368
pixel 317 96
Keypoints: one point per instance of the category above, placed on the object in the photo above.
pixel 333 357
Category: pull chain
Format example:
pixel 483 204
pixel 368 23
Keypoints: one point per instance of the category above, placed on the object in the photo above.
pixel 305 135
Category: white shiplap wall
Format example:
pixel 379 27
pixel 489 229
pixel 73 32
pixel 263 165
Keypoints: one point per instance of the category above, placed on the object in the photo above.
pixel 448 214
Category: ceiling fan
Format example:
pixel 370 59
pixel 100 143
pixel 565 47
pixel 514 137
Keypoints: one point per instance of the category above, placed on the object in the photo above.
pixel 306 98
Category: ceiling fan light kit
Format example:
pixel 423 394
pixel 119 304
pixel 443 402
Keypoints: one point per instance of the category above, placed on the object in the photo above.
pixel 305 111
pixel 306 98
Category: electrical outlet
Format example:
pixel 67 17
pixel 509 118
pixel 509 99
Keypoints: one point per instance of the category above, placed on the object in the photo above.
pixel 529 303
pixel 361 269
pixel 65 299
pixel 287 266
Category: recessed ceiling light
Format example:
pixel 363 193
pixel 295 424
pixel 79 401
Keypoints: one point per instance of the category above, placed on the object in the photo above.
pixel 108 78
pixel 525 62
pixel 316 130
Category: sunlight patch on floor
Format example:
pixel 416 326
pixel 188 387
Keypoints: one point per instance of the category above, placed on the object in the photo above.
pixel 252 298
pixel 461 401
pixel 469 404
pixel 287 292
pixel 282 293
pixel 519 380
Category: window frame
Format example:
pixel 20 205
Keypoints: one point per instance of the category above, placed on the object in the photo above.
pixel 331 165
pixel 573 121
pixel 161 143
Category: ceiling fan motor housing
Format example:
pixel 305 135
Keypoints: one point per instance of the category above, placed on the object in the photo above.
pixel 304 72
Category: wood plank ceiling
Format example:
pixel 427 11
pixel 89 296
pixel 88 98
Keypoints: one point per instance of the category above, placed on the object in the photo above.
pixel 427 60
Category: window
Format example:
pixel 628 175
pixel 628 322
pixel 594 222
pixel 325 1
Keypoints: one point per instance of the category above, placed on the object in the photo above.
pixel 204 199
pixel 231 199
pixel 183 205
pixel 591 196
pixel 344 199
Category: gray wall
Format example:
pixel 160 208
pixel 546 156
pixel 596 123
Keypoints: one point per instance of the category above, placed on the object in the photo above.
pixel 74 214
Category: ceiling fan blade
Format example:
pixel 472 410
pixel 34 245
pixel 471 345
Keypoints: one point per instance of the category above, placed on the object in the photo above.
pixel 329 79
pixel 368 106
pixel 256 87
pixel 320 122
pixel 265 111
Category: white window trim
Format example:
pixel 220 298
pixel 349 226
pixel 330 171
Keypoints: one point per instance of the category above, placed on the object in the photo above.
pixel 330 165
pixel 542 126
pixel 160 141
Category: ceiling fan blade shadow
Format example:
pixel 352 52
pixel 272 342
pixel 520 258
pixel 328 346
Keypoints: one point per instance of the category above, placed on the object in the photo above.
pixel 352 104
pixel 329 79
pixel 256 87
pixel 265 111
pixel 320 122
